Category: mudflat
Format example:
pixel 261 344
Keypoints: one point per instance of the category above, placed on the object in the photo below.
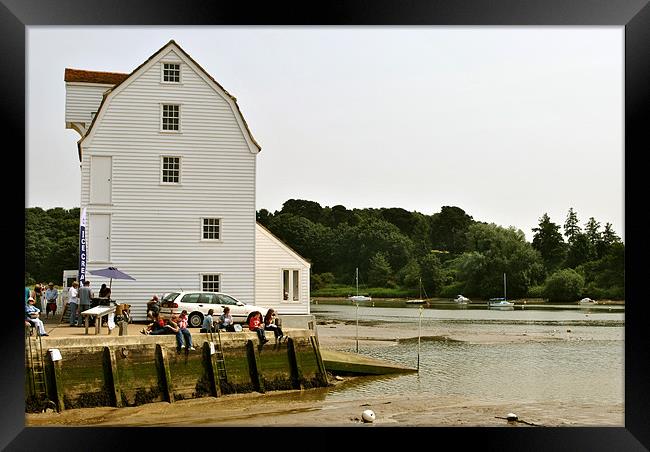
pixel 312 408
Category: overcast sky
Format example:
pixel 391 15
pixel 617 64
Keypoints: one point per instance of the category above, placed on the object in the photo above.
pixel 507 123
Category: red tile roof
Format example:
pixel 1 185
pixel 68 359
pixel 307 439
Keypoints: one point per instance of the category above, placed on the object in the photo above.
pixel 79 75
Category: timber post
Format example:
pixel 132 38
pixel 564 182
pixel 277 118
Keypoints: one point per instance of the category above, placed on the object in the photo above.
pixel 164 377
pixel 253 366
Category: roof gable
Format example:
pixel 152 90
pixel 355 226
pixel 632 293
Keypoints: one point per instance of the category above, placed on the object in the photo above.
pixel 127 78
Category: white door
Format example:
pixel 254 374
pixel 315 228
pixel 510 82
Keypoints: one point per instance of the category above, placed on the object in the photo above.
pixel 100 180
pixel 99 227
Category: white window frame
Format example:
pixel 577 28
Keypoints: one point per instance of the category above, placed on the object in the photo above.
pixel 220 220
pixel 290 298
pixel 180 114
pixel 162 73
pixel 180 167
pixel 201 281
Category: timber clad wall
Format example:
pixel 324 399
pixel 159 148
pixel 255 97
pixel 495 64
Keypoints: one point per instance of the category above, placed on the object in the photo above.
pixel 272 256
pixel 81 100
pixel 155 229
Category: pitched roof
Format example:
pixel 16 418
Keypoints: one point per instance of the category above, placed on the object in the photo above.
pixel 79 75
pixel 120 77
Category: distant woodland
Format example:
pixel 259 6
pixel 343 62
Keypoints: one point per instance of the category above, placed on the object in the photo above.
pixel 449 252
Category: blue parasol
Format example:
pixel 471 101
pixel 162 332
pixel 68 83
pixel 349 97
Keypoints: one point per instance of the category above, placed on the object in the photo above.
pixel 112 273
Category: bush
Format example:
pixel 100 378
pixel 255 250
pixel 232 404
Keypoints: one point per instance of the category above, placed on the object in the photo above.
pixel 452 290
pixel 564 285
pixel 536 292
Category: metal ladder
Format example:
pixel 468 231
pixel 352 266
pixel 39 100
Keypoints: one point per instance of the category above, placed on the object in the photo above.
pixel 221 362
pixel 36 365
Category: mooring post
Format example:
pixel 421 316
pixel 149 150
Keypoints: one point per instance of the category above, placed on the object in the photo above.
pixel 319 360
pixel 254 366
pixel 211 370
pixel 296 374
pixel 111 377
pixel 57 379
pixel 164 377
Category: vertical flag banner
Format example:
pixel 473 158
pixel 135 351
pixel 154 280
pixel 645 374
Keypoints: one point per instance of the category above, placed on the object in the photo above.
pixel 83 247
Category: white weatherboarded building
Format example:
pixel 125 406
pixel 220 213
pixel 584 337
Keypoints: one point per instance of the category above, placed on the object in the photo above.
pixel 168 179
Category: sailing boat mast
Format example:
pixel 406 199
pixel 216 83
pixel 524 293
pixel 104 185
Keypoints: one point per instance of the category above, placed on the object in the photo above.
pixel 357 279
pixel 505 298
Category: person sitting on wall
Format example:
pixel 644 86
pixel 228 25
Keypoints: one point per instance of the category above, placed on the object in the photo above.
pixel 32 314
pixel 183 334
pixel 226 321
pixel 271 324
pixel 158 323
pixel 255 323
pixel 153 307
pixel 208 323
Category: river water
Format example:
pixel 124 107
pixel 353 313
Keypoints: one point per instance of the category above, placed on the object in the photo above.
pixel 581 362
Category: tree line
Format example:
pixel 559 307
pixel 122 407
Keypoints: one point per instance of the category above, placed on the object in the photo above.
pixel 450 252
pixel 395 249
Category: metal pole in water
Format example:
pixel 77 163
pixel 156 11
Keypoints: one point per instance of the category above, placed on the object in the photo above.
pixel 419 334
pixel 357 327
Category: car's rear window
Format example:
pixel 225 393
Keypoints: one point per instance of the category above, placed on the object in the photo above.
pixel 170 296
pixel 190 298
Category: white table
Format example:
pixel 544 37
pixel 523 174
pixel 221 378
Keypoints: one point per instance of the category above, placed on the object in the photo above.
pixel 97 312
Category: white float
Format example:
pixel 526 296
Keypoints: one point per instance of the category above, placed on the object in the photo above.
pixel 368 416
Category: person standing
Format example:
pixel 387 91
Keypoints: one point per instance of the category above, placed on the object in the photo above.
pixel 85 298
pixel 38 292
pixel 51 296
pixel 73 302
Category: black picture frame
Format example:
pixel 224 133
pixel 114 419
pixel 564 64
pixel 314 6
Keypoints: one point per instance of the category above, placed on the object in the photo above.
pixel 634 15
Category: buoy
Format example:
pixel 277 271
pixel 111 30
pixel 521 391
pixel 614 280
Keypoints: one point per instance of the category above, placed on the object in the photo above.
pixel 368 416
pixel 511 417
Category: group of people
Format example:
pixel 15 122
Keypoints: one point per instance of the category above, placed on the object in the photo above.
pixel 45 297
pixel 80 299
pixel 269 323
pixel 177 325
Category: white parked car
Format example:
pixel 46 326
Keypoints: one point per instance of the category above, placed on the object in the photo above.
pixel 197 304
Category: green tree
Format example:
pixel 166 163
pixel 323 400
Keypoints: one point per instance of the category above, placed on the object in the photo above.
pixel 571 227
pixel 549 242
pixel 579 251
pixel 379 272
pixel 433 273
pixel 303 208
pixel 264 217
pixel 449 228
pixel 564 285
pixel 493 251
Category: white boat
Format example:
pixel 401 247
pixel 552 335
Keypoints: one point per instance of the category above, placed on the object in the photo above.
pixel 357 298
pixel 501 302
pixel 587 301
pixel 418 300
pixel 461 299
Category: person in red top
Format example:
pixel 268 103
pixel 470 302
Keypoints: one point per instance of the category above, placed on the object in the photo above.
pixel 255 324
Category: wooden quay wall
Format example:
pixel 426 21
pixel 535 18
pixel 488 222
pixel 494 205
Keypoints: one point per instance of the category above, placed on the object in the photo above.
pixel 131 370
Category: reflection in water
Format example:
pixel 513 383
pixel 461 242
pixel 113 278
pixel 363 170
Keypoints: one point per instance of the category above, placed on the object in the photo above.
pixel 580 371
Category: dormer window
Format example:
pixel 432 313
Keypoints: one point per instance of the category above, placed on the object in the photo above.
pixel 171 73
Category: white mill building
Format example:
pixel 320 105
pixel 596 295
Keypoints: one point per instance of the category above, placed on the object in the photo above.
pixel 168 181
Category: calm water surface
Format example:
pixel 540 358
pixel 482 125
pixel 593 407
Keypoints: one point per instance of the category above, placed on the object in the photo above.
pixel 586 368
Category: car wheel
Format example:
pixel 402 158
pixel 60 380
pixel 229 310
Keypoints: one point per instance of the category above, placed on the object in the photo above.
pixel 195 320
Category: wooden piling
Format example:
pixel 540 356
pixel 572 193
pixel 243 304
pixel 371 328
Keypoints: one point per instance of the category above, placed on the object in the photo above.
pixel 254 366
pixel 164 377
pixel 211 370
pixel 296 373
pixel 111 377
pixel 319 360
pixel 56 388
